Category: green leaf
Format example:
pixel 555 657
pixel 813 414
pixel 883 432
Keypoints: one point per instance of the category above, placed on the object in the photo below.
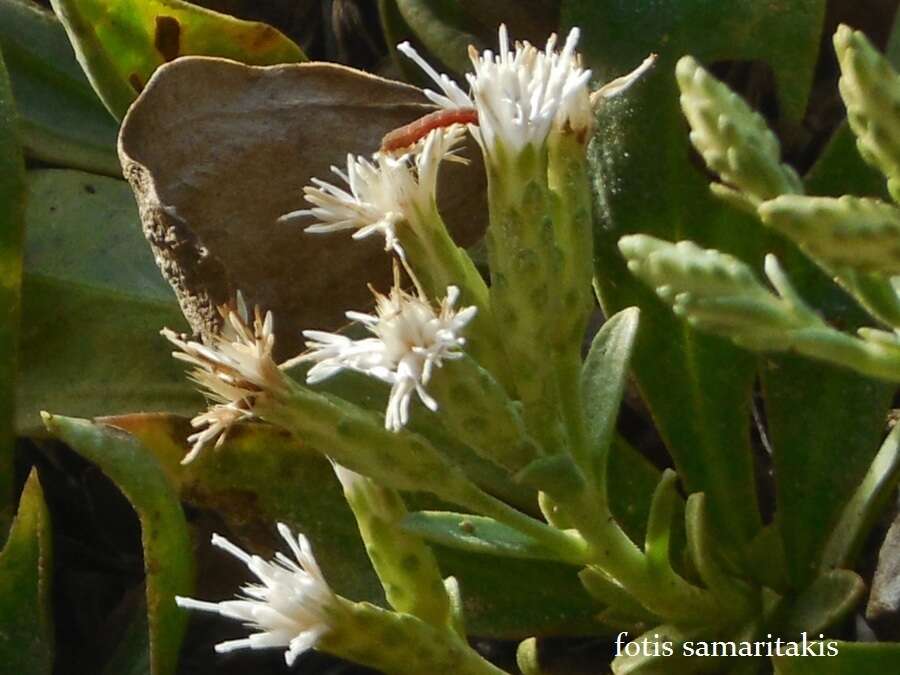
pixel 865 506
pixel 257 478
pixel 441 25
pixel 168 560
pixel 603 380
pixel 61 119
pixel 396 30
pixel 120 44
pixel 697 387
pixel 94 303
pixel 853 658
pixel 12 228
pixel 734 140
pixel 477 534
pixel 652 658
pixel 260 476
pixel 632 478
pixel 765 560
pixel 830 598
pixel 705 555
pixel 824 436
pixel 847 232
pixel 619 602
pixel 840 169
pixel 672 28
pixel 663 508
pixel 870 88
pixel 528 658
pixel 26 628
pixel 512 598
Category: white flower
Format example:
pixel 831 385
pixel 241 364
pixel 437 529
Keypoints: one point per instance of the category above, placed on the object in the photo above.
pixel 410 339
pixel 519 94
pixel 382 193
pixel 233 371
pixel 293 607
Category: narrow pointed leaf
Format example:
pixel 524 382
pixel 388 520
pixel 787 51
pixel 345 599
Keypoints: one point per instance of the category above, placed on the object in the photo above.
pixel 168 558
pixel 830 598
pixel 603 381
pixel 528 658
pixel 865 506
pixel 659 527
pixel 12 229
pixel 477 534
pixel 26 567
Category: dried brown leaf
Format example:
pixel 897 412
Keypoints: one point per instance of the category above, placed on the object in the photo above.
pixel 216 151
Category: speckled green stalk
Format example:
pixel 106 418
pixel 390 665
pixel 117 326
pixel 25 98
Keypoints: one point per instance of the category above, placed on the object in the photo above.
pixel 870 88
pixel 438 262
pixel 855 240
pixel 613 552
pixel 476 408
pixel 718 293
pixel 855 232
pixel 877 354
pixel 734 140
pixel 401 644
pixel 405 565
pixel 525 267
pixel 569 183
pixel 356 438
pixel 567 175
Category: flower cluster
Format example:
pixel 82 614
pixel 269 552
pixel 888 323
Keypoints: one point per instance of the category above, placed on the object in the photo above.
pixel 382 193
pixel 411 337
pixel 233 371
pixel 293 607
pixel 520 93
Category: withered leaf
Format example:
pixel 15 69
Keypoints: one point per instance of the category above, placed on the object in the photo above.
pixel 216 151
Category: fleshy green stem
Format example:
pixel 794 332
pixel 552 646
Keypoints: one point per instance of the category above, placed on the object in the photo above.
pixel 356 438
pixel 568 545
pixel 438 262
pixel 610 549
pixel 400 644
pixel 405 564
pixel 525 267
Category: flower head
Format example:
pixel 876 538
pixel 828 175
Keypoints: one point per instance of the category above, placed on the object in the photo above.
pixel 293 607
pixel 520 93
pixel 411 338
pixel 380 193
pixel 233 371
